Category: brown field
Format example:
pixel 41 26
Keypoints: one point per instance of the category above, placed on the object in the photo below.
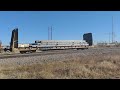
pixel 101 66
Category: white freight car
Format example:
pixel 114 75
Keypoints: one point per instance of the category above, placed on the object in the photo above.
pixel 61 44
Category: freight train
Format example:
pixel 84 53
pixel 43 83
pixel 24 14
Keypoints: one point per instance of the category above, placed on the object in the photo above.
pixel 45 44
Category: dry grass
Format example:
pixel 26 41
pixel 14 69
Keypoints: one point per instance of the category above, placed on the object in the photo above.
pixel 91 67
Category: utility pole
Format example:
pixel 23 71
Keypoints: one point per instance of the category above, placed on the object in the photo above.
pixel 48 33
pixel 51 32
pixel 112 31
pixel 109 38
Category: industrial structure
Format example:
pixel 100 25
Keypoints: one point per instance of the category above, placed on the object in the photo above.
pixel 14 40
pixel 88 38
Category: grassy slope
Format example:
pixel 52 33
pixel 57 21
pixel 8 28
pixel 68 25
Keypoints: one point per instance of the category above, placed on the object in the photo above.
pixel 90 67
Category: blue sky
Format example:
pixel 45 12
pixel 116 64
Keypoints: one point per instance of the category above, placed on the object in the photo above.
pixel 67 25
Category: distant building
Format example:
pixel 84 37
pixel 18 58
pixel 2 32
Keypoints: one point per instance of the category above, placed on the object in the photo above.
pixel 88 38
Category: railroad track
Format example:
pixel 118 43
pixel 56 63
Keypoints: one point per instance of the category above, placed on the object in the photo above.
pixel 93 51
pixel 34 54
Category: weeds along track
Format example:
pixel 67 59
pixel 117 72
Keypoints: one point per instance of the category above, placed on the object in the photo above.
pixel 63 55
pixel 92 63
pixel 4 56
